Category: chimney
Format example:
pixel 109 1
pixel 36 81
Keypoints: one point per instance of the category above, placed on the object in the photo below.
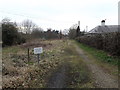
pixel 103 22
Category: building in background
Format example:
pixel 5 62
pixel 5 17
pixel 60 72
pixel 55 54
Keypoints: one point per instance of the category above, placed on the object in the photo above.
pixel 104 28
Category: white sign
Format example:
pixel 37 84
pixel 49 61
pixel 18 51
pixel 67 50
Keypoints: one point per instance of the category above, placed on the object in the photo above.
pixel 38 50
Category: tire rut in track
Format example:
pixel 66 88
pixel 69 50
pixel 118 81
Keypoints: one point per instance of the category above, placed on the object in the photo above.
pixel 102 79
pixel 58 78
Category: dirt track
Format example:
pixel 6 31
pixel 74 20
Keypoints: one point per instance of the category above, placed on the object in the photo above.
pixel 58 78
pixel 102 79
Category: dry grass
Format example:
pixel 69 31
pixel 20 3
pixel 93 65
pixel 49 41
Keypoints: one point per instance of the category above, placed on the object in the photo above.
pixel 17 72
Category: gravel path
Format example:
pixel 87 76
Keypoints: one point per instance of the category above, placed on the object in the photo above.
pixel 102 79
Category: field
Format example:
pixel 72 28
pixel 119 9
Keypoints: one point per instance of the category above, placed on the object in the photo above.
pixel 18 72
pixel 62 65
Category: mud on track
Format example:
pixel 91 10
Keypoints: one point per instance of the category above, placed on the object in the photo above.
pixel 58 78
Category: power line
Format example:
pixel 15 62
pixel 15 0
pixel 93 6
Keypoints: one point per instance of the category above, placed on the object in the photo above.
pixel 18 14
pixel 22 15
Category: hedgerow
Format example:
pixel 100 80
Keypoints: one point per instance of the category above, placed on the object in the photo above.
pixel 109 42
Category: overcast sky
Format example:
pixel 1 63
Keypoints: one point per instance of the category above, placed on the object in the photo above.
pixel 61 14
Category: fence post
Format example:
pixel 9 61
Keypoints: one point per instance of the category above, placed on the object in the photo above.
pixel 28 55
pixel 38 58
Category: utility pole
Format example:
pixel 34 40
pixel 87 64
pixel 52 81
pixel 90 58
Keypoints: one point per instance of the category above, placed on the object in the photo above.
pixel 86 28
pixel 78 29
pixel 79 23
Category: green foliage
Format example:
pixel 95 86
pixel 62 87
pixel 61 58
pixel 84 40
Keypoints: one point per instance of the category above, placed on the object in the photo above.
pixel 108 42
pixel 9 32
pixel 10 35
pixel 100 54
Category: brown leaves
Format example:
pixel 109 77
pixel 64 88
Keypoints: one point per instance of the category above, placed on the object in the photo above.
pixel 23 74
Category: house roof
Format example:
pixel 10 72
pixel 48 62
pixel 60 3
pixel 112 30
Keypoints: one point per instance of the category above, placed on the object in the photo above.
pixel 105 29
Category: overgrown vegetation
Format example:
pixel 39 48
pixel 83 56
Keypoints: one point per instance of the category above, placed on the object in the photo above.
pixel 100 54
pixel 108 42
pixel 19 73
pixel 10 34
pixel 14 33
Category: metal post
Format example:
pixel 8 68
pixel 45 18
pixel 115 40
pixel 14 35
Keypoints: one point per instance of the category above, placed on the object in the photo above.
pixel 38 58
pixel 28 55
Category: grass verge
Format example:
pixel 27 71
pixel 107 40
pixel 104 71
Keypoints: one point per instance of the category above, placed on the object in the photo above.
pixel 109 63
pixel 100 54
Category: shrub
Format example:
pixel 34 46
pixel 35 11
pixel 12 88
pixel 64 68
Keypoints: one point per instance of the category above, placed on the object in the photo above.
pixel 10 34
pixel 109 42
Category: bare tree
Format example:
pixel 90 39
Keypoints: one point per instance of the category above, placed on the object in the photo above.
pixel 5 20
pixel 65 31
pixel 72 31
pixel 28 26
pixel 37 32
pixel 74 26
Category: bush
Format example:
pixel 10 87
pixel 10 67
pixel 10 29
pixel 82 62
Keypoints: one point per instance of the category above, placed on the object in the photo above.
pixel 10 35
pixel 109 42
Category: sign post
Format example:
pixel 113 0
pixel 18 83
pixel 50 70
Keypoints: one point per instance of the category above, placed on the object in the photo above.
pixel 38 58
pixel 28 55
pixel 38 51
